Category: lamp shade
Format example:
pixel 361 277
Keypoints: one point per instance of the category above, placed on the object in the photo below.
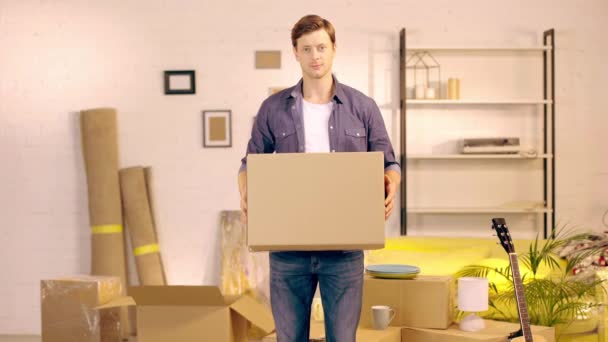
pixel 472 294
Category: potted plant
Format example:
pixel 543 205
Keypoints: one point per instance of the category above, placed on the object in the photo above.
pixel 557 287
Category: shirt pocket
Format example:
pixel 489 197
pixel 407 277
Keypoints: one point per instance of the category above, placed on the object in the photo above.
pixel 287 141
pixel 355 140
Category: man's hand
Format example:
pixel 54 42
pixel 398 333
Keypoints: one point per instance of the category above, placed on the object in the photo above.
pixel 243 192
pixel 391 181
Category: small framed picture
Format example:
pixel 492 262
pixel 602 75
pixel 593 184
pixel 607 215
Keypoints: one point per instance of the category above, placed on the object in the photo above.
pixel 179 82
pixel 274 90
pixel 217 128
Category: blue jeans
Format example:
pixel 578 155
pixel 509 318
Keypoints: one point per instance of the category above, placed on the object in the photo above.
pixel 293 282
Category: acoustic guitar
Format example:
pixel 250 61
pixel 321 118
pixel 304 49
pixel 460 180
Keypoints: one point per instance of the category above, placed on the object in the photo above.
pixel 524 334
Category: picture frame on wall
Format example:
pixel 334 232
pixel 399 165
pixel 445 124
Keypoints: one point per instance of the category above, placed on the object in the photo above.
pixel 180 82
pixel 217 128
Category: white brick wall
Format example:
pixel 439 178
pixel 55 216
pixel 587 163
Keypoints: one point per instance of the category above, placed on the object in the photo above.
pixel 58 57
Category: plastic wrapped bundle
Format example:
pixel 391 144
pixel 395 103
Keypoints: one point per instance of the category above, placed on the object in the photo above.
pixel 69 313
pixel 243 272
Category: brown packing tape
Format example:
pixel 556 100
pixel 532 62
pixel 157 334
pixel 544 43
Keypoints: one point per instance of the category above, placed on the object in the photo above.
pixel 100 153
pixel 138 216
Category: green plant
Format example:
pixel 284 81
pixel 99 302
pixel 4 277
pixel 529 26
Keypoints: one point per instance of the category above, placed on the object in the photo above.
pixel 553 299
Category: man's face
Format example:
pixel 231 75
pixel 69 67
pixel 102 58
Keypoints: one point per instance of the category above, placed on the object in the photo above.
pixel 315 52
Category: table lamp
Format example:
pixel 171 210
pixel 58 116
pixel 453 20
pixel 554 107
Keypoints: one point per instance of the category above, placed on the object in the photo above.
pixel 472 297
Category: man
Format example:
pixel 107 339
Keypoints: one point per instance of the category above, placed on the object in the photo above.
pixel 318 115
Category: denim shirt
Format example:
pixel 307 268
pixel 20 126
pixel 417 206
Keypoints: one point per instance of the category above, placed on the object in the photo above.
pixel 355 125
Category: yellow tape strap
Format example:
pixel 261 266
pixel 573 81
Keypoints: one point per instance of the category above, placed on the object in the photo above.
pixel 146 249
pixel 107 229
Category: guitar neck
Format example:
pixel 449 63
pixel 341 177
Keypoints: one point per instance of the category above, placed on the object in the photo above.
pixel 522 308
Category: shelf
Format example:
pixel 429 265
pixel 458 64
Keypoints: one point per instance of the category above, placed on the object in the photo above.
pixel 478 102
pixel 478 210
pixel 532 102
pixel 480 48
pixel 476 156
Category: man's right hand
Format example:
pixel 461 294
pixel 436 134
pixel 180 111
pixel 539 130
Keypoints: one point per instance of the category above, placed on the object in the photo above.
pixel 243 192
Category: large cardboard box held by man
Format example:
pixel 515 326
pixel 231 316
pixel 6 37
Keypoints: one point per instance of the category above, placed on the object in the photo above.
pixel 494 332
pixel 196 313
pixel 423 302
pixel 315 201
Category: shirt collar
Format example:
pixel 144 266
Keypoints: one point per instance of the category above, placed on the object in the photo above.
pixel 338 92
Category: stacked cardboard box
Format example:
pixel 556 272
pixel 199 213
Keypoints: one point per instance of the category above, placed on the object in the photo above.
pixel 70 309
pixel 423 302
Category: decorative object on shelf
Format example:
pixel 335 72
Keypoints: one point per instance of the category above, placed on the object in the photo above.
pixel 420 90
pixel 496 145
pixel 217 128
pixel 430 93
pixel 423 63
pixel 268 59
pixel 180 82
pixel 472 297
pixel 453 88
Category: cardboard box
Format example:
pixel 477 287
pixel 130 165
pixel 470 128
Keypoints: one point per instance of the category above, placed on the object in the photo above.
pixel 194 314
pixel 69 309
pixel 317 333
pixel 494 332
pixel 423 302
pixel 315 201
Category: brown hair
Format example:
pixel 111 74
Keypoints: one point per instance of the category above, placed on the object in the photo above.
pixel 311 23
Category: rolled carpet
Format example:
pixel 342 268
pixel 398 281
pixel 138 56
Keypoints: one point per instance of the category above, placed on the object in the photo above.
pixel 140 225
pixel 100 152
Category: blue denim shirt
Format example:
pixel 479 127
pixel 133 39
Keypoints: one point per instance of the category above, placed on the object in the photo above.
pixel 355 125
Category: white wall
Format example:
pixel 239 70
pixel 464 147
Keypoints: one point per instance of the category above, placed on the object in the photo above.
pixel 58 57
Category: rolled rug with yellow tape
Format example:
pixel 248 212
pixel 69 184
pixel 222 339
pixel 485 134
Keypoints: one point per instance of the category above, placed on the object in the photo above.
pixel 100 151
pixel 140 225
pixel 148 174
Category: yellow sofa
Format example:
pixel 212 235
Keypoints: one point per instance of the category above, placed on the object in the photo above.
pixel 446 256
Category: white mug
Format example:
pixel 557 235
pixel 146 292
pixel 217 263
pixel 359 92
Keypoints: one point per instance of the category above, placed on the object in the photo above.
pixel 382 316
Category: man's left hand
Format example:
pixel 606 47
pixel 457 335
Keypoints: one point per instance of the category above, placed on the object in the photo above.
pixel 390 189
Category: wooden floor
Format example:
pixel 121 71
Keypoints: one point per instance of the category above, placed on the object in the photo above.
pixel 22 338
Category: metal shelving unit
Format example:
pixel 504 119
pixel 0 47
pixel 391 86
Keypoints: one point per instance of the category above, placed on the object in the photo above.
pixel 548 152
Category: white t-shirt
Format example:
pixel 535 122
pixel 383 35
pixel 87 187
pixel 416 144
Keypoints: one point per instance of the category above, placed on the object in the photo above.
pixel 316 123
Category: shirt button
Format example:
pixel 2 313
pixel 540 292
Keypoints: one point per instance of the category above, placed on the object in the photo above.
pixel 283 133
pixel 357 134
pixel 293 107
pixel 331 127
pixel 333 150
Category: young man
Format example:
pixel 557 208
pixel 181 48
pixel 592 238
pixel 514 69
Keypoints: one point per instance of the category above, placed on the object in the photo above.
pixel 318 115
